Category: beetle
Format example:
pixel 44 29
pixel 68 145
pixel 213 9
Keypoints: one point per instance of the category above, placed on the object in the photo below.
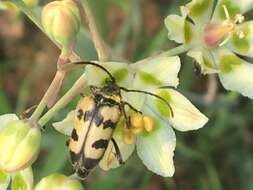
pixel 95 120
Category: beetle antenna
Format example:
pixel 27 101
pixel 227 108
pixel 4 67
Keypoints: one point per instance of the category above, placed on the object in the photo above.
pixel 151 94
pixel 96 65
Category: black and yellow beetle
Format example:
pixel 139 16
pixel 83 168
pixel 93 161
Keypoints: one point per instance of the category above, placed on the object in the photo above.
pixel 96 118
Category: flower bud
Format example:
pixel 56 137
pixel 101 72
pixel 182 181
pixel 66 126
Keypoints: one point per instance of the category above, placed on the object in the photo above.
pixel 61 21
pixel 22 179
pixel 4 180
pixel 59 182
pixel 19 147
pixel 7 118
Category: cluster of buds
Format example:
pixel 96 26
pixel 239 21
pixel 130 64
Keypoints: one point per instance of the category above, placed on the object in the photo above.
pixel 139 124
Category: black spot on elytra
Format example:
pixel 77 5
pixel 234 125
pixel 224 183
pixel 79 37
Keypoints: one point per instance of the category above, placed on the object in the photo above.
pixel 74 135
pixel 109 124
pixel 98 119
pixel 101 143
pixel 87 115
pixel 80 114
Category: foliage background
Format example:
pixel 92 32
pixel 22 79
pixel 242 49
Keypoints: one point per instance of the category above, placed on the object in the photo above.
pixel 217 157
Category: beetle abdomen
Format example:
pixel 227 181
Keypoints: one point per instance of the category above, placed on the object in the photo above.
pixel 100 132
pixel 94 126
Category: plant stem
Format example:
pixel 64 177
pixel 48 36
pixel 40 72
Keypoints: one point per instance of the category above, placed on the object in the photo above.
pixel 172 52
pixel 97 39
pixel 76 89
pixel 59 76
pixel 177 50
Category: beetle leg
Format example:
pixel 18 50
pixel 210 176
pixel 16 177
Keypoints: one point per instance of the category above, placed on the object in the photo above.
pixel 117 154
pixel 127 119
pixel 27 112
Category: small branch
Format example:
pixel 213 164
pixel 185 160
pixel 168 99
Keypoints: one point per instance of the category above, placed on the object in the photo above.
pixel 97 39
pixel 76 89
pixel 177 50
pixel 172 52
pixel 59 76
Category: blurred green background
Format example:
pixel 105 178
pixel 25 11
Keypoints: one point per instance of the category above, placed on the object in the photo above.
pixel 216 157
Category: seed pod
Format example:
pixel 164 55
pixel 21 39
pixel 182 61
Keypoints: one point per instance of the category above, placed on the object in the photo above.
pixel 58 182
pixel 19 147
pixel 61 21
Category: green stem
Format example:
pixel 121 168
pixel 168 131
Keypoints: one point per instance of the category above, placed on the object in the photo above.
pixel 76 89
pixel 56 83
pixel 172 52
pixel 97 39
pixel 177 50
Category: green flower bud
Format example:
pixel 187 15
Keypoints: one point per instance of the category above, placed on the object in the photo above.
pixel 61 21
pixel 6 118
pixel 4 180
pixel 19 147
pixel 59 182
pixel 22 180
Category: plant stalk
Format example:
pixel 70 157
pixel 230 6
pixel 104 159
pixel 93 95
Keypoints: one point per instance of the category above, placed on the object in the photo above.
pixel 76 89
pixel 97 39
pixel 56 83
